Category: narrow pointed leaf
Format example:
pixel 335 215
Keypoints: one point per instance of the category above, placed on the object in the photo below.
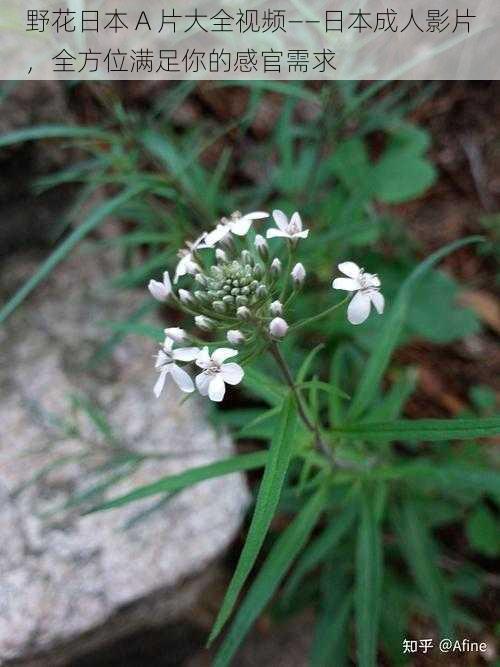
pixel 279 456
pixel 420 553
pixel 282 555
pixel 188 478
pixel 392 328
pixel 99 214
pixel 368 583
pixel 422 430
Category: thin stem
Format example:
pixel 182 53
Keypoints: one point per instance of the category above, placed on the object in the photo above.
pixel 320 316
pixel 311 426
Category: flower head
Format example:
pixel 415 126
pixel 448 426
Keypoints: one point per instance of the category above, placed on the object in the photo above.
pixel 276 308
pixel 166 365
pixel 212 381
pixel 366 287
pixel 287 229
pixel 161 291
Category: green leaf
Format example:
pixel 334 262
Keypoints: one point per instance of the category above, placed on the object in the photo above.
pixel 188 478
pixel 320 548
pixel 279 456
pixel 421 554
pixel 393 402
pixel 391 330
pixel 422 430
pixel 99 214
pixel 483 532
pixel 262 386
pixel 281 556
pixel 304 369
pixel 402 176
pixel 368 583
pixel 331 637
pixel 54 132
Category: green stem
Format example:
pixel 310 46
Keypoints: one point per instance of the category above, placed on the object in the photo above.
pixel 310 425
pixel 315 318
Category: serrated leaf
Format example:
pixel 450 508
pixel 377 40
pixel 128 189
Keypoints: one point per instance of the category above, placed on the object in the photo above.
pixel 279 456
pixel 281 556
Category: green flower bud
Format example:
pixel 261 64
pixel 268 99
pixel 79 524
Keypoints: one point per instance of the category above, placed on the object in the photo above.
pixel 219 307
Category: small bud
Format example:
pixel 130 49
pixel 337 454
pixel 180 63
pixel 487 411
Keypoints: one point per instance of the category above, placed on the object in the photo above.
pixel 185 296
pixel 219 307
pixel 177 334
pixel 275 267
pixel 201 296
pixel 262 247
pixel 258 271
pixel 243 313
pixel 220 255
pixel 200 278
pixel 235 337
pixel 276 308
pixel 161 291
pixel 278 327
pixel 228 299
pixel 246 258
pixel 261 292
pixel 241 301
pixel 298 274
pixel 204 323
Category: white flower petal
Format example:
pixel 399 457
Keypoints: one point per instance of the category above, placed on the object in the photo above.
pixel 167 282
pixel 350 269
pixel 301 235
pixel 158 290
pixel 160 383
pixel 257 215
pixel 168 344
pixel 161 359
pixel 182 379
pixel 281 220
pixel 232 373
pixel 203 359
pixel 186 353
pixel 347 284
pixel 296 223
pixel 277 233
pixel 202 381
pixel 241 227
pixel 378 301
pixel 223 353
pixel 216 388
pixel 359 308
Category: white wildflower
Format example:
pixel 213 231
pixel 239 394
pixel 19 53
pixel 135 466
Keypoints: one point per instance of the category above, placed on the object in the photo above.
pixel 161 291
pixel 186 264
pixel 166 364
pixel 366 286
pixel 177 334
pixel 235 337
pixel 278 327
pixel 238 224
pixel 212 381
pixel 288 229
pixel 298 274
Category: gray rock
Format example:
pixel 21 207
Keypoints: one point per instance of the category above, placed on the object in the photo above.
pixel 69 581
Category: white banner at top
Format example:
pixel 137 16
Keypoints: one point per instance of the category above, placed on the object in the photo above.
pixel 232 40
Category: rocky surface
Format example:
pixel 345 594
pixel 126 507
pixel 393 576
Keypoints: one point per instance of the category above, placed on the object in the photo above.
pixel 69 582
